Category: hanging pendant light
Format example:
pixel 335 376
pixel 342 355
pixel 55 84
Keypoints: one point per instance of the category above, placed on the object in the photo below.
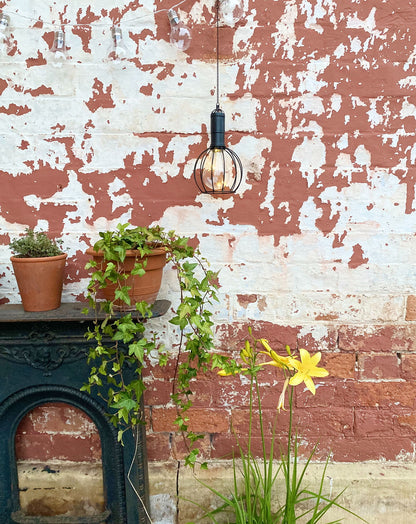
pixel 218 169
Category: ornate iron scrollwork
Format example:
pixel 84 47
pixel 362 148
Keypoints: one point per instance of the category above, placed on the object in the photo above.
pixel 45 357
pixel 43 348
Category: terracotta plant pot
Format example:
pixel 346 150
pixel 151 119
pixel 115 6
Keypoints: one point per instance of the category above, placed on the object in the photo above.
pixel 143 288
pixel 40 281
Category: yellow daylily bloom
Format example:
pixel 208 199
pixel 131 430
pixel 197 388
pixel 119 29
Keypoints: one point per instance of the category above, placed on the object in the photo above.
pixel 281 403
pixel 306 369
pixel 278 361
pixel 265 344
pixel 223 373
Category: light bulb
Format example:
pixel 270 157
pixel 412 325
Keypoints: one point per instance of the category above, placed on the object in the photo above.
pixel 5 44
pixel 213 176
pixel 59 52
pixel 231 12
pixel 180 34
pixel 117 50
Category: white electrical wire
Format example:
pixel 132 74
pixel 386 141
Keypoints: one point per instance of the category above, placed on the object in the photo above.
pixel 124 22
pixel 136 438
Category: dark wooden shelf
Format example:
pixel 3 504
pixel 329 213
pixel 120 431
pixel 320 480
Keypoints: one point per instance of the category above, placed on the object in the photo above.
pixel 68 312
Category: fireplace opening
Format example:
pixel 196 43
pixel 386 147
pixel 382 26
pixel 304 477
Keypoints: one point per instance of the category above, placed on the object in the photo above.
pixel 43 367
pixel 59 463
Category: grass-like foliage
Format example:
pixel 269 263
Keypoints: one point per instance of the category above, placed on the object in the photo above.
pixel 266 491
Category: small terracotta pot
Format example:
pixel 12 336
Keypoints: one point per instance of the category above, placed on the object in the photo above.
pixel 40 281
pixel 143 288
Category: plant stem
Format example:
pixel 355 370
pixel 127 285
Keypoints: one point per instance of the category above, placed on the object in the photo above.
pixel 289 516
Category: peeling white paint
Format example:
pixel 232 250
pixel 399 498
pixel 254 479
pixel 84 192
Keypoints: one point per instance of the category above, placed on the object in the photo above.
pixel 285 35
pixel 311 155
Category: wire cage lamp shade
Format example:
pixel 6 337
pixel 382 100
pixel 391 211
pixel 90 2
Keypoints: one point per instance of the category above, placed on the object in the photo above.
pixel 218 170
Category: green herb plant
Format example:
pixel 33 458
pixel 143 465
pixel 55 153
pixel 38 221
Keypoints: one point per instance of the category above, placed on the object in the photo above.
pixel 35 244
pixel 263 491
pixel 121 342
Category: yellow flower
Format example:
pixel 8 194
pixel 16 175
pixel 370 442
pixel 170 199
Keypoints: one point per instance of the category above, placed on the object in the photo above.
pixel 266 345
pixel 279 361
pixel 281 403
pixel 223 373
pixel 306 369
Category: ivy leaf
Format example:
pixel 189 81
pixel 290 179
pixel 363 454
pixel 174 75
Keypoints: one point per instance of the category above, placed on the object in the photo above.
pixel 137 349
pixel 123 294
pixel 125 403
pixel 184 310
pixel 138 269
pixel 191 458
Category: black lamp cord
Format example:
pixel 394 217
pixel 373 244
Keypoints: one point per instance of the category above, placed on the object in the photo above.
pixel 217 7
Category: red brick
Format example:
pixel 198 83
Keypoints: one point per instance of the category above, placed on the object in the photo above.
pixel 324 422
pixel 227 446
pixel 60 447
pixel 162 420
pixel 181 447
pixel 209 420
pixel 405 423
pixel 353 449
pixel 378 338
pixel 57 418
pixel 385 394
pixel 157 393
pixel 373 422
pixel 329 392
pixel 200 420
pixel 306 422
pixel 270 392
pixel 240 422
pixel 158 446
pixel 162 372
pixel 411 307
pixel 203 391
pixel 379 366
pixel 340 365
pixel 230 392
pixel 328 343
pixel 409 367
pixel 360 394
pixel 342 449
pixel 232 336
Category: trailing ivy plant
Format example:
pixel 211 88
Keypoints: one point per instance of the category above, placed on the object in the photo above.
pixel 120 344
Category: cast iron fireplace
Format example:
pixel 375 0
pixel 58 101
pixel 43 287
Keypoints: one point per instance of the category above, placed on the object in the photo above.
pixel 42 360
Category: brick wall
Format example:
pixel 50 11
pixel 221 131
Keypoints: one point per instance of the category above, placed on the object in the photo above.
pixel 363 411
pixel 58 454
pixel 57 431
pixel 318 247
